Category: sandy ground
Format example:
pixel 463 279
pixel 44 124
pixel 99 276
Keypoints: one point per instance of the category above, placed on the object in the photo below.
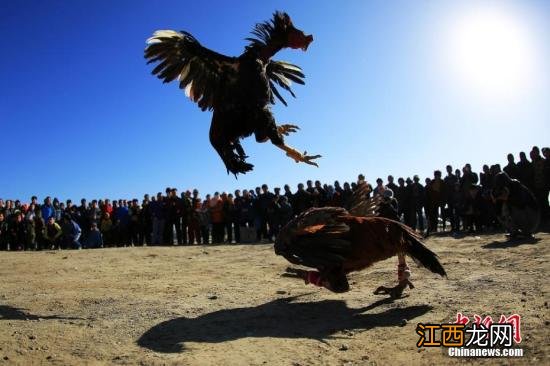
pixel 229 305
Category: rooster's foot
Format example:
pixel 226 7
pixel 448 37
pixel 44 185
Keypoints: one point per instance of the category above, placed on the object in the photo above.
pixel 394 292
pixel 287 129
pixel 304 158
pixel 297 156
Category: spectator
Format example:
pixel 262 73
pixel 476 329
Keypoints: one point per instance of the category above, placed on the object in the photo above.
pixel 246 211
pixel 8 210
pixel 4 232
pixel 511 168
pixel 458 174
pixel 379 189
pixel 18 232
pixel 236 213
pixel 546 153
pixel 417 197
pixel 158 213
pixel 94 239
pixel 186 204
pixel 106 228
pixel 302 200
pixel 94 213
pixel 334 197
pixel 401 195
pixel 71 233
pixel 468 179
pixel 540 186
pixel 456 207
pixel 215 206
pixel 47 208
pixel 134 224
pixel 337 187
pixel 69 205
pixel 388 207
pixel 146 221
pixel 58 211
pixel 267 212
pixel 322 197
pixel 30 231
pixel 288 193
pixel 436 198
pixel 391 185
pixel 227 209
pixel 34 201
pixel 53 234
pixel 107 207
pixel 347 195
pixel 40 231
pixel 194 228
pixel 205 220
pixel 519 211
pixel 173 217
pixel 525 171
pixel 285 211
pixel 473 203
pixel 82 217
pixel 272 214
pixel 123 223
pixel 449 181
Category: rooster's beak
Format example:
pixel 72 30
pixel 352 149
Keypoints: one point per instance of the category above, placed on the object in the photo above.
pixel 307 41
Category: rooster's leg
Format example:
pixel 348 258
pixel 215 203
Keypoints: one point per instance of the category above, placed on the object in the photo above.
pixel 403 275
pixel 229 149
pixel 299 157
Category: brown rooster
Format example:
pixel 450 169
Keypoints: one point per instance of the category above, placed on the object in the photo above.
pixel 337 242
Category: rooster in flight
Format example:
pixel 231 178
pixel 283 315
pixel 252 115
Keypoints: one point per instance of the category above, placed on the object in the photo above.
pixel 239 90
pixel 336 242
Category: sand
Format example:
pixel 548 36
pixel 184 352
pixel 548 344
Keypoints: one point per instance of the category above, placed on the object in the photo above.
pixel 229 305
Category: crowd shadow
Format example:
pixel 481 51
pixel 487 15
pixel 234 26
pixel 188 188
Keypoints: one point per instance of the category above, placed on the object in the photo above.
pixel 511 243
pixel 11 313
pixel 281 318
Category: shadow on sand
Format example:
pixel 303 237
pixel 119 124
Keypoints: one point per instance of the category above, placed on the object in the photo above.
pixel 10 313
pixel 281 318
pixel 510 243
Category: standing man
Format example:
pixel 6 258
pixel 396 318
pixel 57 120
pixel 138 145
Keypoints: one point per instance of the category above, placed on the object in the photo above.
pixel 511 169
pixel 158 213
pixel 417 198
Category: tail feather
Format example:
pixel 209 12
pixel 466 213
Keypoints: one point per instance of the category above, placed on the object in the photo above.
pixel 420 253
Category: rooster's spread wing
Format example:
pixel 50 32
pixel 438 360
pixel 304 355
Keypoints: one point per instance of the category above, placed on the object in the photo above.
pixel 202 73
pixel 361 205
pixel 283 74
pixel 317 238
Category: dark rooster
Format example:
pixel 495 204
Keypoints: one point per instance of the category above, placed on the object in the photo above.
pixel 239 90
pixel 337 242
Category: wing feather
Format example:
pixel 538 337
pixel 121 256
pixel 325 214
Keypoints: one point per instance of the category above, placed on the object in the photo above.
pixel 361 205
pixel 201 72
pixel 283 74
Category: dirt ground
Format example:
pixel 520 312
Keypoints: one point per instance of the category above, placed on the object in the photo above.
pixel 229 305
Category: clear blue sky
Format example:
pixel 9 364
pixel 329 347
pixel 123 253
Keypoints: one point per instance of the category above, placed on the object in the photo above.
pixel 81 116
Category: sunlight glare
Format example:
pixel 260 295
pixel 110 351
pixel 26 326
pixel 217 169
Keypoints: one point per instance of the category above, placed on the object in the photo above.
pixel 492 53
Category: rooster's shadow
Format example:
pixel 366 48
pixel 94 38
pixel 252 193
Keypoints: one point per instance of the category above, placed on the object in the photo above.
pixel 280 318
pixel 12 313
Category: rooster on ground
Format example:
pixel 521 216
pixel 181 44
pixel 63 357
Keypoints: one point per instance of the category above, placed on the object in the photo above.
pixel 336 242
pixel 239 90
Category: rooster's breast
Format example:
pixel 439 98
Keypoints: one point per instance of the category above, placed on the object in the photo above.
pixel 253 84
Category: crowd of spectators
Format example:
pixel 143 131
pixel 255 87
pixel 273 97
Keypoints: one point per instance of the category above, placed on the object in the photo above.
pixel 461 199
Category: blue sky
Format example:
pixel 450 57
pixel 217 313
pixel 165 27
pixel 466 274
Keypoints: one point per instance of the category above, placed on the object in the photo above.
pixel 81 116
